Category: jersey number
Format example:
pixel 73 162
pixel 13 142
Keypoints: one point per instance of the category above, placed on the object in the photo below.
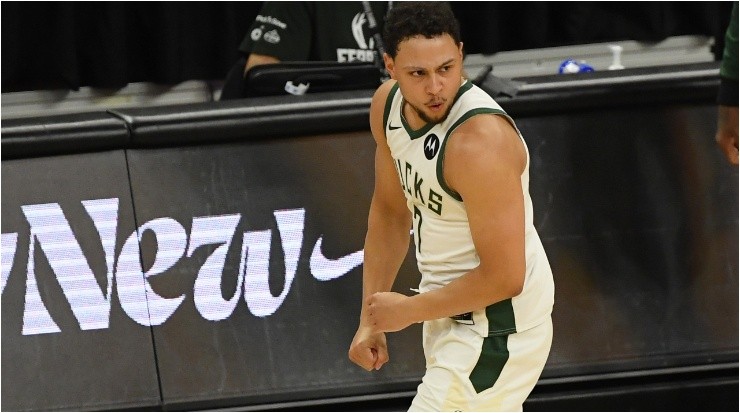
pixel 417 232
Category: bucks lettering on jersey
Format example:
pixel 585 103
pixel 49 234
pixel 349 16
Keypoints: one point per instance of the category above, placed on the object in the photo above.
pixel 444 245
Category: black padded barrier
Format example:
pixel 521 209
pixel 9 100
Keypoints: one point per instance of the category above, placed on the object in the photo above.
pixel 62 134
pixel 65 343
pixel 225 243
pixel 552 94
pixel 248 119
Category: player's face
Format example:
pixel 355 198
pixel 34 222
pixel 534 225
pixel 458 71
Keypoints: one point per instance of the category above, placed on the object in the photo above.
pixel 428 72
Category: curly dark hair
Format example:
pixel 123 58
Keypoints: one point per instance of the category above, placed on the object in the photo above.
pixel 407 19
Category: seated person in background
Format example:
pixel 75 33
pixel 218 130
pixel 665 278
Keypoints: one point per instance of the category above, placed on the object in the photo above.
pixel 309 31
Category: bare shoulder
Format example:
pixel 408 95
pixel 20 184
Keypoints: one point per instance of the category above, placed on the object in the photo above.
pixel 381 94
pixel 487 136
pixel 377 108
pixel 485 148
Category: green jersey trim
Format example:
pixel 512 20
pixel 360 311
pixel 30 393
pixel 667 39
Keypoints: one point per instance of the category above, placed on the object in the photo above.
pixel 388 105
pixel 440 159
pixel 501 319
pixel 415 134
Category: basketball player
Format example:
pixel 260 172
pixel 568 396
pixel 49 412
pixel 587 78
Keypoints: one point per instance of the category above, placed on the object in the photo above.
pixel 451 165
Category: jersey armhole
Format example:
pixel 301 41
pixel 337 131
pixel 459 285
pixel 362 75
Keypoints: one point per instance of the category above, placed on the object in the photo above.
pixel 440 159
pixel 388 105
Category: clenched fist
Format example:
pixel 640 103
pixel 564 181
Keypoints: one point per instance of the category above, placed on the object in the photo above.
pixel 368 349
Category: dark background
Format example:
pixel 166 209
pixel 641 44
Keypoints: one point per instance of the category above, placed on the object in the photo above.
pixel 68 45
pixel 639 223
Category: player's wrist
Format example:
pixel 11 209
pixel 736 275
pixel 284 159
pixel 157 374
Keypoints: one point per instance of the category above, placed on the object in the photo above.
pixel 411 308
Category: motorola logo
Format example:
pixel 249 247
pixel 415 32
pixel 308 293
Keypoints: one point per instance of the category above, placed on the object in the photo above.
pixel 431 146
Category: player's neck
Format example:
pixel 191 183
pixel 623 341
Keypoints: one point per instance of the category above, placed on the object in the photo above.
pixel 411 117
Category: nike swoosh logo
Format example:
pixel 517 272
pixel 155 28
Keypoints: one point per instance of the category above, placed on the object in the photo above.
pixel 325 269
pixel 391 127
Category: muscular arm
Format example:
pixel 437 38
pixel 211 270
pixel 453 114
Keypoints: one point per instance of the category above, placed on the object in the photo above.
pixel 389 220
pixel 386 242
pixel 484 161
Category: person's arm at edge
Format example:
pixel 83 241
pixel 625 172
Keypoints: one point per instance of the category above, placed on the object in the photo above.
pixel 483 149
pixel 727 132
pixel 727 98
pixel 255 59
pixel 387 239
pixel 295 40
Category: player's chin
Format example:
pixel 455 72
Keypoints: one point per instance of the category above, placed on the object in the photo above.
pixel 437 113
pixel 436 117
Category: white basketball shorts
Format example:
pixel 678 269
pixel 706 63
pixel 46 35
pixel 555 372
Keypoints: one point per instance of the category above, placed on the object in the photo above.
pixel 468 372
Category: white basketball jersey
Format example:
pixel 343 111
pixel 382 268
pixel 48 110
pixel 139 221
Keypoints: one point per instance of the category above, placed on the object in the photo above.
pixel 444 245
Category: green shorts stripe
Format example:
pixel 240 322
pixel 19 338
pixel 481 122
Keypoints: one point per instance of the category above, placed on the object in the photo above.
pixel 494 351
pixel 493 357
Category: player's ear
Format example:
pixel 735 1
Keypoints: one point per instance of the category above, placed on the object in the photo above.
pixel 389 65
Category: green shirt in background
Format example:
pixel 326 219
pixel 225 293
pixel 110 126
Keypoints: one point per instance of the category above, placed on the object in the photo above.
pixel 728 91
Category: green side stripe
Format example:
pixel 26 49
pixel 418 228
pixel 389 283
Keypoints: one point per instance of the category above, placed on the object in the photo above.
pixel 494 352
pixel 493 357
pixel 440 159
pixel 501 319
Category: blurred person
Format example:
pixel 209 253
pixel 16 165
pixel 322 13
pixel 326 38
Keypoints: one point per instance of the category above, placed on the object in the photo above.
pixel 451 165
pixel 727 120
pixel 337 31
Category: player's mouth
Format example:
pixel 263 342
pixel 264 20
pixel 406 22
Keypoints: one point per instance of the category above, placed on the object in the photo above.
pixel 436 105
